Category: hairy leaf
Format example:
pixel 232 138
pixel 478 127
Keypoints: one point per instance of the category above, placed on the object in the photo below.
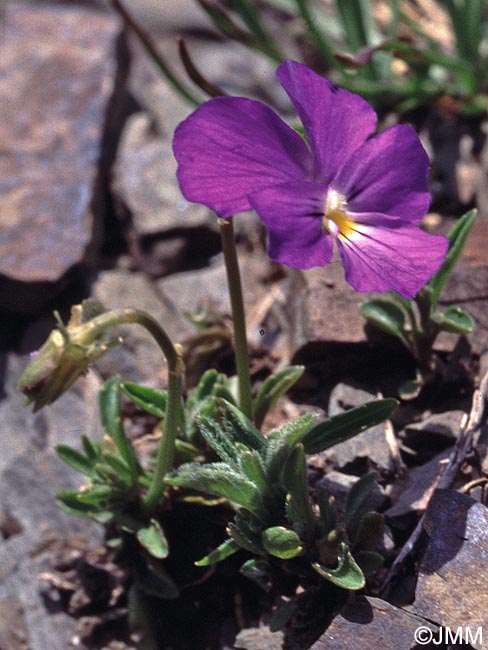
pixel 298 505
pixel 346 425
pixel 272 389
pixel 218 479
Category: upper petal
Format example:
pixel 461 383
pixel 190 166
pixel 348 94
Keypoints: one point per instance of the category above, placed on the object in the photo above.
pixel 336 121
pixel 401 258
pixel 388 174
pixel 231 146
pixel 293 213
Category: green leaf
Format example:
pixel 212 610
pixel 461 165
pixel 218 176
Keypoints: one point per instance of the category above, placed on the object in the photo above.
pixel 281 542
pixel 454 320
pixel 153 580
pixel 327 511
pixel 281 442
pixel 150 400
pixel 272 389
pixel 457 238
pixel 111 418
pixel 370 532
pixel 153 540
pixel 119 466
pixel 218 479
pixel 76 460
pixel 219 440
pixel 239 426
pixel 91 449
pixel 298 505
pixel 357 496
pixel 346 425
pixel 70 503
pixel 258 572
pixel 96 495
pixel 225 550
pixel 246 531
pixel 251 466
pixel 347 575
pixel 385 315
pixel 283 615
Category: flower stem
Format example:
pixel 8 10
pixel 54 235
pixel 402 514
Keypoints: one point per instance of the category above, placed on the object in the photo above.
pixel 165 456
pixel 164 460
pixel 238 315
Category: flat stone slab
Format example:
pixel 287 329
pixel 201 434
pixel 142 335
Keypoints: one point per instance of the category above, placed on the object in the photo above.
pixel 56 80
pixel 451 588
pixel 373 624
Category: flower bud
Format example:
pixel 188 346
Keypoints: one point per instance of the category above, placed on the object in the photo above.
pixel 65 355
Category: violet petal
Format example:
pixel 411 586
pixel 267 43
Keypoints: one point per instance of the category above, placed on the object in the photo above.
pixel 293 215
pixel 336 121
pixel 231 146
pixel 388 174
pixel 400 259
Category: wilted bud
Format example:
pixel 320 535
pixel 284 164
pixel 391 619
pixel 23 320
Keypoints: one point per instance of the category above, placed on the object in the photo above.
pixel 65 355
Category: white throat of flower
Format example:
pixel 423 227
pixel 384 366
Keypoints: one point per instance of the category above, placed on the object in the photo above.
pixel 336 219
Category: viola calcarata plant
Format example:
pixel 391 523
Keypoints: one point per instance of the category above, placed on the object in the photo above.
pixel 331 183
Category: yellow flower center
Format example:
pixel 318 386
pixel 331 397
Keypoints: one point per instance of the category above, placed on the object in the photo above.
pixel 336 220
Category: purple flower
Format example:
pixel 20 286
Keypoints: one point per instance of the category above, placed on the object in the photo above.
pixel 368 193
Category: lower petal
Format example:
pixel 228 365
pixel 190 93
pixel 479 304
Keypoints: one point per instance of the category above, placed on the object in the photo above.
pixel 400 259
pixel 293 213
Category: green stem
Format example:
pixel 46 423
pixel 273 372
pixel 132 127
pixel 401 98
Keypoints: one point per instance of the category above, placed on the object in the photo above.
pixel 166 451
pixel 238 314
pixel 164 461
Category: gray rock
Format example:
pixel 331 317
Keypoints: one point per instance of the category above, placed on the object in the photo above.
pixel 139 358
pixel 371 444
pixel 56 84
pixel 323 307
pixel 412 494
pixel 451 588
pixel 443 427
pixel 144 180
pixel 372 624
pixel 31 476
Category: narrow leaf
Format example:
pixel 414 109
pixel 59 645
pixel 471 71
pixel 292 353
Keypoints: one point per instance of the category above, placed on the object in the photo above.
pixel 346 425
pixel 218 479
pixel 457 238
pixel 272 389
pixel 149 399
pixel 75 459
pixel 70 503
pixel 111 418
pixel 225 550
pixel 153 540
pixel 252 467
pixel 358 495
pixel 299 507
pixel 281 442
pixel 347 574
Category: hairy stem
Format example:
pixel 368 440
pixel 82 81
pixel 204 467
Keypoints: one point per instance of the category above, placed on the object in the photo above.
pixel 238 315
